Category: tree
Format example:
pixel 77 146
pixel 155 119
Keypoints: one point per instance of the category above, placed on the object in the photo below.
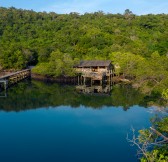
pixel 127 63
pixel 128 14
pixel 137 44
pixel 60 64
pixel 152 143
pixel 165 94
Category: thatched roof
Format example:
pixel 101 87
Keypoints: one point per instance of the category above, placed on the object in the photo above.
pixel 94 63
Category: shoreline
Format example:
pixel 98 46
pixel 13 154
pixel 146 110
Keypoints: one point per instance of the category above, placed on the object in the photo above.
pixel 65 79
pixel 72 79
pixel 61 79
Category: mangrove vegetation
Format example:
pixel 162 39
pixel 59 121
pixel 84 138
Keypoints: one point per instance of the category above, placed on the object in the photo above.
pixel 137 45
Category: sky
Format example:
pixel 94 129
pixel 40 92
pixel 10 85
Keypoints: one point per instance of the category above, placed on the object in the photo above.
pixel 138 7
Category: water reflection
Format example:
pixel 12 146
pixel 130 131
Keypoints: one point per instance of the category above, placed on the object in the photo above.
pixel 3 93
pixel 35 94
pixel 94 89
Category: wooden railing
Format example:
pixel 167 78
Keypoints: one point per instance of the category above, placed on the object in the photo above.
pixel 15 77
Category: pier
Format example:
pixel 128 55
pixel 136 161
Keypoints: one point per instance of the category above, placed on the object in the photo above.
pixel 13 78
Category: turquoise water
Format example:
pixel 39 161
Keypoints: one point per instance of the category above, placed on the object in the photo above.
pixel 51 123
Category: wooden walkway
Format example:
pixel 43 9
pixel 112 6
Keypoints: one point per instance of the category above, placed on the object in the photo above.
pixel 13 78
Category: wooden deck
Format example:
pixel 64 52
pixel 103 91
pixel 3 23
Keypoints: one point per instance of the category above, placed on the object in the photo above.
pixel 13 78
pixel 102 77
pixel 93 75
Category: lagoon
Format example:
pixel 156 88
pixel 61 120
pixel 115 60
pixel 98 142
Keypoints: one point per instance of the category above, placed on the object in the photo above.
pixel 51 122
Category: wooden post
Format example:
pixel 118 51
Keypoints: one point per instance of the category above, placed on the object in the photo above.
pixel 5 85
pixel 81 80
pixel 110 79
pixel 78 79
pixel 101 82
pixel 84 80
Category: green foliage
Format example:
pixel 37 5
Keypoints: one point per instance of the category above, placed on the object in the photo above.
pixel 154 146
pixel 155 73
pixel 35 35
pixel 155 156
pixel 13 59
pixel 163 125
pixel 149 74
pixel 58 64
pixel 136 44
pixel 144 136
pixel 165 94
pixel 61 64
pixel 129 64
pixel 42 68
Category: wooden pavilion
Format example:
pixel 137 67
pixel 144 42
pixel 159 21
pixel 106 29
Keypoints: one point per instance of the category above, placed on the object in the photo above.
pixel 95 70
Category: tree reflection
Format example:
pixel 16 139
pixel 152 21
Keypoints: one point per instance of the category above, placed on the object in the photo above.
pixel 36 94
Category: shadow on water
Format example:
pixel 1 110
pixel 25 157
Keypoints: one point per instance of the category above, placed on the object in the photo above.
pixel 36 94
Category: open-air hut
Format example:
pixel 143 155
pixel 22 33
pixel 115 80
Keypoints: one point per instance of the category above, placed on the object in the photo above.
pixel 95 69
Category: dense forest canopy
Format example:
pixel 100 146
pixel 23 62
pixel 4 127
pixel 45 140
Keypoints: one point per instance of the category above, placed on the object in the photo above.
pixel 28 37
pixel 54 42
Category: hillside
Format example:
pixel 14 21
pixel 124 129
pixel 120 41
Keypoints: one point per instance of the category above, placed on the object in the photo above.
pixel 28 37
pixel 55 42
